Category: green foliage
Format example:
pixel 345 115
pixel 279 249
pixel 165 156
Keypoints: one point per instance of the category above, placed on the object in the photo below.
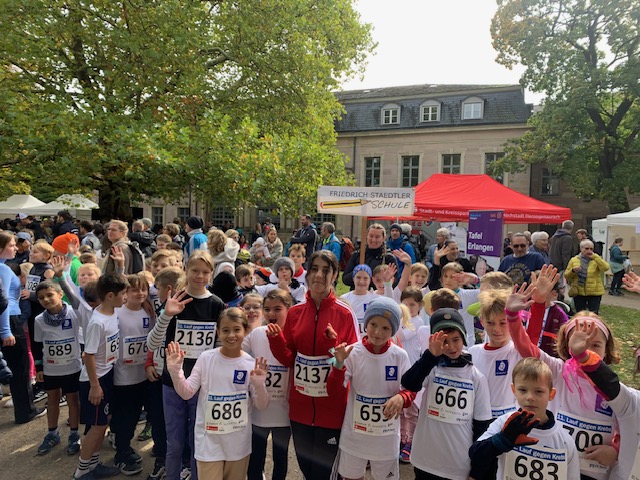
pixel 139 99
pixel 586 57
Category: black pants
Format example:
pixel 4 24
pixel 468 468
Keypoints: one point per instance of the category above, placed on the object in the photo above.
pixel 155 415
pixel 126 408
pixel 422 475
pixel 616 282
pixel 591 303
pixel 316 449
pixel 280 437
pixel 17 358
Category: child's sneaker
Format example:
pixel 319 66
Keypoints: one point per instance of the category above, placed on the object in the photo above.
pixel 39 395
pixel 159 471
pixel 63 401
pixel 127 466
pixel 111 437
pixel 145 434
pixel 51 439
pixel 73 445
pixel 185 474
pixel 104 471
pixel 405 454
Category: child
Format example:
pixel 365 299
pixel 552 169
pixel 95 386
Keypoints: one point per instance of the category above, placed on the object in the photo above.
pixel 441 298
pixel 383 274
pixel 455 407
pixel 624 401
pixel 578 407
pixel 244 278
pixel 162 259
pixel 548 453
pixel 96 379
pixel 262 276
pixel 360 297
pixel 167 279
pixel 284 269
pixel 252 306
pixel 454 277
pixel 130 381
pixel 297 253
pixel 372 370
pixel 225 378
pixel 259 251
pixel 56 334
pixel 408 337
pixel 415 275
pixel 547 317
pixel 87 272
pixel 190 318
pixel 274 419
pixel 496 358
pixel 162 241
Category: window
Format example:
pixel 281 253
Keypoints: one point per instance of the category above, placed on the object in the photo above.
pixel 372 171
pixel 319 218
pixel 430 111
pixel 410 168
pixel 452 163
pixel 184 213
pixel 390 115
pixel 472 108
pixel 219 215
pixel 157 215
pixel 489 158
pixel 550 183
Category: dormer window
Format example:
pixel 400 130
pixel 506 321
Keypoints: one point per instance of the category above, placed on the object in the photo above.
pixel 430 111
pixel 472 109
pixel 390 114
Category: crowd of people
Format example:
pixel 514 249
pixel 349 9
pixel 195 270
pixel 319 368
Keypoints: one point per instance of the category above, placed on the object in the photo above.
pixel 223 341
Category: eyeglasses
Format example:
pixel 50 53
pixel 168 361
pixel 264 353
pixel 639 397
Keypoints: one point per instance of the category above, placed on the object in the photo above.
pixel 252 307
pixel 523 245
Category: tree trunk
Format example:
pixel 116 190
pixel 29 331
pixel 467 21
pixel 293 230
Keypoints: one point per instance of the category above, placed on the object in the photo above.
pixel 114 203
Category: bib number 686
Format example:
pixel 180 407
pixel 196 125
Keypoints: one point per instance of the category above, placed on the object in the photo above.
pixel 226 411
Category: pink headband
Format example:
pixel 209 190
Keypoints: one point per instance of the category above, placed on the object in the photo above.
pixel 603 328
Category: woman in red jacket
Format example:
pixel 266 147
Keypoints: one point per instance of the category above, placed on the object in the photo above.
pixel 313 328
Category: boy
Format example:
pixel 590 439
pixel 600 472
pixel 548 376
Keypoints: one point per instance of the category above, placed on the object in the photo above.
pixel 454 277
pixel 360 297
pixel 549 453
pixel 244 277
pixel 441 298
pixel 455 407
pixel 297 254
pixel 162 259
pixel 96 379
pixel 130 385
pixel 284 270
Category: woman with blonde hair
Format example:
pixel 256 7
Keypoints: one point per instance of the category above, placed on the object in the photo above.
pixel 274 244
pixel 222 248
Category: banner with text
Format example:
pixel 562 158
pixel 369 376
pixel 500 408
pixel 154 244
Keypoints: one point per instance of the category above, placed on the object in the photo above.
pixel 366 201
pixel 485 234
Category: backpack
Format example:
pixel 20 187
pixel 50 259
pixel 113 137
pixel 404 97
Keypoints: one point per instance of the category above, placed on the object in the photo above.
pixel 137 258
pixel 413 241
pixel 346 252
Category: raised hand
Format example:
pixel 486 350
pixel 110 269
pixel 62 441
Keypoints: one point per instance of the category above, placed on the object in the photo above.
pixel 330 333
pixel 464 278
pixel 342 352
pixel 544 283
pixel 117 255
pixel 58 263
pixel 390 272
pixel 518 426
pixel 261 368
pixel 520 298
pixel 173 354
pixel 582 336
pixel 436 343
pixel 175 302
pixel 631 282
pixel 403 256
pixel 273 330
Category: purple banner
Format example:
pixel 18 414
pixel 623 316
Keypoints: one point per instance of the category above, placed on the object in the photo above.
pixel 485 233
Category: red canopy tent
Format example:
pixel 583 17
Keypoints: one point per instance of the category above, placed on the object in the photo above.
pixel 449 198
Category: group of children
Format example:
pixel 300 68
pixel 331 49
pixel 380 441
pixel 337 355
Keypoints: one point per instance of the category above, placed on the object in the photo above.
pixel 423 386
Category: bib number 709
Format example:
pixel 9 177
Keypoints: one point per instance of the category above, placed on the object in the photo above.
pixel 449 397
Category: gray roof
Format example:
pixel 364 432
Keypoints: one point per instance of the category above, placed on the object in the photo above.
pixel 503 104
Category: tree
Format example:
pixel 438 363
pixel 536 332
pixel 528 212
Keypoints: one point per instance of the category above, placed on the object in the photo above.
pixel 585 56
pixel 138 99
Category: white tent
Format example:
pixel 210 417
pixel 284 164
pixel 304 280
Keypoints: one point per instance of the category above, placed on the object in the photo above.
pixel 623 225
pixel 19 204
pixel 76 200
pixel 77 205
pixel 631 218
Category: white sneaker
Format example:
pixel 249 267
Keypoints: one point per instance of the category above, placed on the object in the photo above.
pixel 185 474
pixel 8 403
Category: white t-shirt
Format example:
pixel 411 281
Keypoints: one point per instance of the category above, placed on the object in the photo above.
pixel 444 431
pixel 224 403
pixel 554 456
pixel 374 379
pixel 424 333
pixel 61 347
pixel 358 304
pixel 276 414
pixel 102 341
pixel 468 297
pixel 296 293
pixel 627 409
pixel 410 339
pixel 135 325
pixel 497 365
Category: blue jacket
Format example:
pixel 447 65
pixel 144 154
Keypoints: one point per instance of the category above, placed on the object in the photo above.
pixel 398 245
pixel 195 243
pixel 333 245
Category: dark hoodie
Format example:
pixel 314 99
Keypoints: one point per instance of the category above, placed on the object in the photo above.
pixel 226 287
pixel 561 249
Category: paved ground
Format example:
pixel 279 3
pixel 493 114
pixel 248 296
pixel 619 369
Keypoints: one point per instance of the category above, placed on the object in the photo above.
pixel 629 300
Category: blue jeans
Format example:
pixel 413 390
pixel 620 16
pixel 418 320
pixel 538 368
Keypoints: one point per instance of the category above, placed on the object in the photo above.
pixel 179 419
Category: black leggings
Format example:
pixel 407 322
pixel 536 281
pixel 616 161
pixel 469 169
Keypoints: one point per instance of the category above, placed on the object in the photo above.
pixel 316 449
pixel 17 358
pixel 616 282
pixel 280 438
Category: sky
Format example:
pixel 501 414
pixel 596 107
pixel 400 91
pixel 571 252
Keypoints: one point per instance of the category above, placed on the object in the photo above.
pixel 432 41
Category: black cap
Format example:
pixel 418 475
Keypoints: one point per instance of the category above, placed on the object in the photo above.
pixel 446 318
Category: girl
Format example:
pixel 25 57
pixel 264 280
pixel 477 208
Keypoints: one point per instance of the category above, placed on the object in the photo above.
pixel 372 370
pixel 252 306
pixel 223 408
pixel 273 420
pixel 274 244
pixel 189 318
pixel 578 407
pixel 360 297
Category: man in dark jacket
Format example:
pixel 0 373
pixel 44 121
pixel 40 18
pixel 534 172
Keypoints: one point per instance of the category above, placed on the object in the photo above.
pixel 141 233
pixel 561 248
pixel 306 235
pixel 64 224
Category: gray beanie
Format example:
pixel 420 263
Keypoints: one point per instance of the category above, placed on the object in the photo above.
pixel 386 308
pixel 283 262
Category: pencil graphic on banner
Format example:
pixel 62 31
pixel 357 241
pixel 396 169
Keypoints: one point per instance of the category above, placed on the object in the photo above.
pixel 343 203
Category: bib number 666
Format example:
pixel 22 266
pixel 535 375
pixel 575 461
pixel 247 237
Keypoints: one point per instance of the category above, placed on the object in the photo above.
pixel 451 397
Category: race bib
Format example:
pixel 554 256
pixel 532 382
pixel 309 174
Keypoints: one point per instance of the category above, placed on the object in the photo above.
pixel 361 327
pixel 277 382
pixel 135 350
pixel 499 411
pixel 311 374
pixel 60 352
pixel 113 347
pixel 535 463
pixel 32 282
pixel 158 359
pixel 368 416
pixel 586 433
pixel 226 413
pixel 195 337
pixel 450 399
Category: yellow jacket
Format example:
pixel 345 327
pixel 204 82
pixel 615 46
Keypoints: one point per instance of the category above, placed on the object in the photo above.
pixel 593 285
